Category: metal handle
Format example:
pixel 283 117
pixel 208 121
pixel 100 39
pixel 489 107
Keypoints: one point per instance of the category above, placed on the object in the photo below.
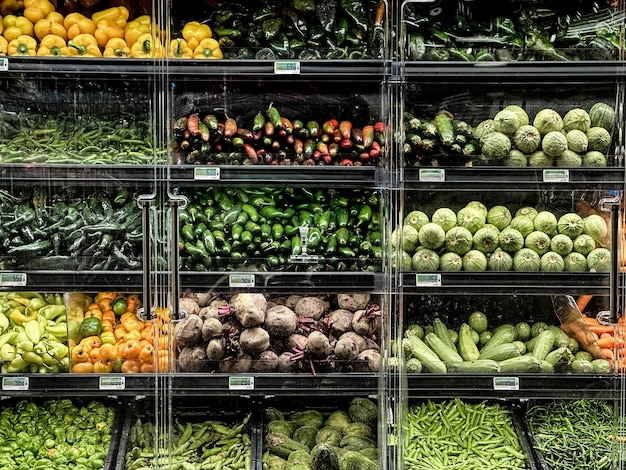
pixel 613 206
pixel 145 203
pixel 176 202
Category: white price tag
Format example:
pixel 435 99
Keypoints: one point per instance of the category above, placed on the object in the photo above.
pixel 287 68
pixel 556 176
pixel 13 279
pixel 432 174
pixel 112 383
pixel 4 64
pixel 241 280
pixel 428 280
pixel 14 383
pixel 506 383
pixel 206 173
pixel 240 383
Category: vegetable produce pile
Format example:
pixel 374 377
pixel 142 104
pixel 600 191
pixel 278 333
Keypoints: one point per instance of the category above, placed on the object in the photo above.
pixel 300 29
pixel 106 335
pixel 33 333
pixel 29 138
pixel 574 434
pixel 500 238
pixel 251 332
pixel 196 445
pixel 273 139
pixel 478 347
pixel 462 436
pixel 525 34
pixel 55 434
pixel 70 230
pixel 578 138
pixel 310 439
pixel 260 228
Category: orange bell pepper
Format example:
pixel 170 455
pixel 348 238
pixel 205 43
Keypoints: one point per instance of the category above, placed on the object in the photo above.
pixel 4 46
pixel 179 49
pixel 80 353
pixel 45 27
pixel 118 15
pixel 108 352
pixel 146 368
pixel 23 45
pixel 102 367
pixel 94 354
pixel 104 295
pixel 130 366
pixel 84 45
pixel 107 29
pixel 131 350
pixel 52 45
pixel 15 26
pixel 208 48
pixel 194 32
pixel 36 10
pixel 82 368
pixel 77 23
pixel 91 342
pixel 147 353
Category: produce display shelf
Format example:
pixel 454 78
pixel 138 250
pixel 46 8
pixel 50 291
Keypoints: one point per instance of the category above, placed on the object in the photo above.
pixel 258 385
pixel 458 72
pixel 521 386
pixel 67 281
pixel 523 178
pixel 505 283
pixel 87 175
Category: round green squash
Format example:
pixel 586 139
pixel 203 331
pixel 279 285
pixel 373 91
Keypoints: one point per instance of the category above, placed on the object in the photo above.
pixel 538 241
pixel 584 244
pixel 432 236
pixel 511 240
pixel 522 224
pixel 548 120
pixel 425 260
pixel 598 139
pixel 602 115
pixel 495 145
pixel 500 260
pixel 551 262
pixel 599 260
pixel 506 121
pixel 526 260
pixel 546 222
pixel 577 141
pixel 526 139
pixel 445 217
pixel 522 116
pixel 487 239
pixel 474 260
pixel 575 262
pixel 499 216
pixel 594 159
pixel 561 244
pixel 570 224
pixel 527 211
pixel 515 158
pixel 471 218
pixel 458 240
pixel 416 219
pixel 450 262
pixel 554 143
pixel 576 119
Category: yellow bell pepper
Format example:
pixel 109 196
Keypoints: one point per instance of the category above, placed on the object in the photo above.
pixel 1 26
pixel 84 45
pixel 36 10
pixel 208 48
pixel 77 23
pixel 52 45
pixel 137 27
pixel 8 7
pixel 107 29
pixel 44 27
pixel 116 47
pixel 15 26
pixel 146 47
pixel 179 49
pixel 118 15
pixel 194 32
pixel 4 46
pixel 23 45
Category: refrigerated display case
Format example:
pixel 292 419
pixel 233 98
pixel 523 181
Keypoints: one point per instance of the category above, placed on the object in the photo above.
pixel 216 205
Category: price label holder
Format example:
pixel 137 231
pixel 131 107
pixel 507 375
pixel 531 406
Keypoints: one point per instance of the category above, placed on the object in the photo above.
pixel 241 280
pixel 15 383
pixel 12 279
pixel 240 383
pixel 287 68
pixel 4 64
pixel 304 257
pixel 434 175
pixel 112 383
pixel 206 173
pixel 560 175
pixel 428 280
pixel 506 383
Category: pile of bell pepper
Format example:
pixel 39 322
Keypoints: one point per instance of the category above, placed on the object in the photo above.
pixel 33 333
pixel 40 30
pixel 107 335
pixel 55 434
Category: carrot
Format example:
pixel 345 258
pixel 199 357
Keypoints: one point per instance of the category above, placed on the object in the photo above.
pixel 600 329
pixel 608 354
pixel 582 301
pixel 607 342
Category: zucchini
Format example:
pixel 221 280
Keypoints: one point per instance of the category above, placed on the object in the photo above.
pixel 560 358
pixel 523 331
pixel 478 322
pixel 601 366
pixel 479 366
pixel 467 346
pixel 420 350
pixel 441 330
pixel 546 367
pixel 521 346
pixel 544 344
pixel 583 355
pixel 537 328
pixel 445 353
pixel 501 352
pixel 445 128
pixel 503 334
pixel 560 337
pixel 581 366
pixel 520 365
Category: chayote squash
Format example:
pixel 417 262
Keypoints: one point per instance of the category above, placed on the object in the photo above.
pixel 576 119
pixel 577 141
pixel 526 139
pixel 548 120
pixel 554 143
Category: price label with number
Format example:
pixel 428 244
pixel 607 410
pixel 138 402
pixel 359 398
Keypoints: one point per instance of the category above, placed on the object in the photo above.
pixel 506 383
pixel 112 383
pixel 241 383
pixel 207 173
pixel 13 279
pixel 428 280
pixel 15 383
pixel 241 280
pixel 287 68
pixel 4 64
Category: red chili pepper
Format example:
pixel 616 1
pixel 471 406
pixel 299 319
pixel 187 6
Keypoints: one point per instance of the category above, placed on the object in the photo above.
pixel 327 159
pixel 230 127
pixel 281 133
pixel 317 155
pixel 368 136
pixel 346 144
pixel 364 156
pixel 251 153
pixel 345 127
pixel 329 126
pixel 346 162
pixel 287 125
pixel 192 124
pixel 379 127
pixel 298 147
pixel 186 134
pixel 245 133
pixel 375 150
pixel 290 139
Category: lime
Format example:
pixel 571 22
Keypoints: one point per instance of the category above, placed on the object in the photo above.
pixel 90 326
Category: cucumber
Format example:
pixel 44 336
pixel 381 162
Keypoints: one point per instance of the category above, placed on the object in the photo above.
pixel 520 365
pixel 581 366
pixel 467 346
pixel 445 353
pixel 479 366
pixel 503 334
pixel 501 352
pixel 544 344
